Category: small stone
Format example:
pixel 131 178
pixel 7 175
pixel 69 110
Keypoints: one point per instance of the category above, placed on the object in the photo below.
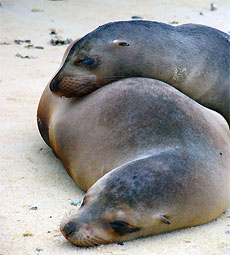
pixel 39 249
pixel 227 232
pixel 213 7
pixel 57 41
pixel 27 233
pixel 22 41
pixel 33 207
pixel 120 243
pixel 136 17
pixel 4 43
pixel 174 22
pixel 201 13
pixel 29 57
pixel 39 47
pixel 18 41
pixel 37 10
pixel 187 241
pixel 75 202
pixel 53 32
pixel 29 46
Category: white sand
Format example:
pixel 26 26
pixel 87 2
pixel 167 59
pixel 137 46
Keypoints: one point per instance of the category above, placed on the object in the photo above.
pixel 29 172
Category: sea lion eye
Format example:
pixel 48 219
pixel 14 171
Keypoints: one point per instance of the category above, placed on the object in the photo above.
pixel 86 62
pixel 123 44
pixel 121 227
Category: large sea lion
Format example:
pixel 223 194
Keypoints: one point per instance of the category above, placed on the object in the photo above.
pixel 151 158
pixel 193 58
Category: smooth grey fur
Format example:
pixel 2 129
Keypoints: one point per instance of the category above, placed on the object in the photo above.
pixel 193 58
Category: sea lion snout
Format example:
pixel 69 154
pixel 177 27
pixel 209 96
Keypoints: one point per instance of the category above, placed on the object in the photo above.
pixel 81 231
pixel 68 229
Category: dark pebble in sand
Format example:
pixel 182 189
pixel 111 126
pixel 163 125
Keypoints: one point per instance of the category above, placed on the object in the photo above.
pixel 58 41
pixel 136 17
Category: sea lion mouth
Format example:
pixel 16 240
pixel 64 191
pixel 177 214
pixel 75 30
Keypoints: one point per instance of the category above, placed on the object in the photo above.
pixel 88 241
pixel 72 86
pixel 69 86
pixel 82 89
pixel 81 237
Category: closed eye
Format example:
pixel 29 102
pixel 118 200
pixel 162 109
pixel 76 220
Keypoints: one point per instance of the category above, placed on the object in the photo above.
pixel 86 62
pixel 121 227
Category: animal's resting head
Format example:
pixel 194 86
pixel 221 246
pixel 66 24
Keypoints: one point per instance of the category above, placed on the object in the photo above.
pixel 105 55
pixel 116 208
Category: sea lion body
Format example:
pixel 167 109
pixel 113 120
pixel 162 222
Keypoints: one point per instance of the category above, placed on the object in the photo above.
pixel 152 159
pixel 193 58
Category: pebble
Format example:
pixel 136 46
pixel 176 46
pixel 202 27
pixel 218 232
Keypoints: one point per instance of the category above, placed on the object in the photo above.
pixel 57 41
pixel 39 47
pixel 33 207
pixel 22 41
pixel 53 31
pixel 4 43
pixel 136 17
pixel 37 10
pixel 174 22
pixel 75 202
pixel 213 6
pixel 29 57
pixel 27 233
pixel 31 46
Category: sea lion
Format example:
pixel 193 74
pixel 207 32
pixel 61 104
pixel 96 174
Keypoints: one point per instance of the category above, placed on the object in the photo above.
pixel 151 158
pixel 195 59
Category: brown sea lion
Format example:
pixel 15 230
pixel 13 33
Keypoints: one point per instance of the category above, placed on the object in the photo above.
pixel 153 159
pixel 193 58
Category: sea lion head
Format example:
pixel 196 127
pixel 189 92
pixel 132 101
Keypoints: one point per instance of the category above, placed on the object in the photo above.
pixel 124 204
pixel 105 55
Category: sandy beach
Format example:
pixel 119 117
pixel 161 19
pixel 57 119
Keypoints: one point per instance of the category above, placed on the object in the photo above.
pixel 35 190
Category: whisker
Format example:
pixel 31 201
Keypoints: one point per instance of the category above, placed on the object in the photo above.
pixel 81 77
pixel 98 238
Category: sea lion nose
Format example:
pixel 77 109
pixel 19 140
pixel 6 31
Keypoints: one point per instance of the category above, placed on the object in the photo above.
pixel 53 85
pixel 69 229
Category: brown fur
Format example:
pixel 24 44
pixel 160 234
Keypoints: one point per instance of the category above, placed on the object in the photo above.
pixel 145 152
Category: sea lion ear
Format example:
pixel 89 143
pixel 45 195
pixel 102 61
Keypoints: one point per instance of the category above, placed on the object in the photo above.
pixel 120 43
pixel 165 219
